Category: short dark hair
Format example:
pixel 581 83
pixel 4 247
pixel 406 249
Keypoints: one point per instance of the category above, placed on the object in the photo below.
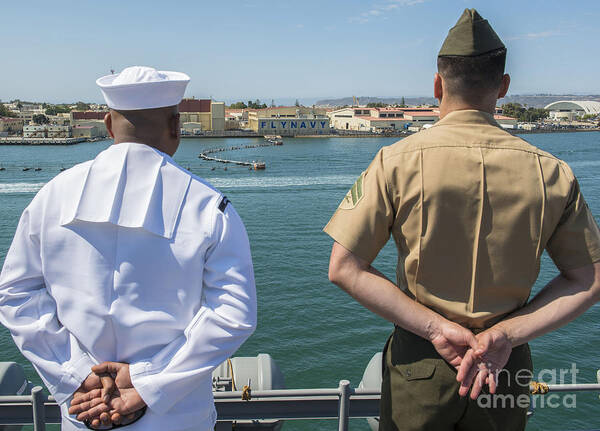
pixel 467 76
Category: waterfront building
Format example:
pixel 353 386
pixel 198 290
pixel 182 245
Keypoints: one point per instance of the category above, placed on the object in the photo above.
pixel 289 121
pixel 35 131
pixel 62 119
pixel 87 132
pixel 236 119
pixel 572 109
pixel 382 119
pixel 191 128
pixel 10 126
pixel 26 111
pixel 89 119
pixel 58 131
pixel 506 122
pixel 46 131
pixel 527 126
pixel 209 114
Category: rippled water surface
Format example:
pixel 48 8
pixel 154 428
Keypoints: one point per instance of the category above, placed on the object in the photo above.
pixel 316 333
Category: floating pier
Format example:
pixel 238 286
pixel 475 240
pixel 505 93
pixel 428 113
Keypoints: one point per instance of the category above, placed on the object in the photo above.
pixel 257 166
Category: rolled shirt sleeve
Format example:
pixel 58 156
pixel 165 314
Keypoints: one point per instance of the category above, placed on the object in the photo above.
pixel 363 221
pixel 29 312
pixel 226 318
pixel 575 241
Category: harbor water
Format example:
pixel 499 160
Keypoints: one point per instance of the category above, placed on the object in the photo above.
pixel 316 333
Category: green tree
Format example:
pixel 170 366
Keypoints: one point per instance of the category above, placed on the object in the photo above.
pixel 40 119
pixel 5 112
pixel 256 104
pixel 376 105
pixel 238 105
pixel 521 113
pixel 57 109
pixel 297 103
pixel 80 106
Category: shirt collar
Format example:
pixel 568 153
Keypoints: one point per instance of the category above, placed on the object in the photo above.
pixel 132 185
pixel 467 116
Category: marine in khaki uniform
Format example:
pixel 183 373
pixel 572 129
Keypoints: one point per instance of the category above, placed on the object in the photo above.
pixel 471 209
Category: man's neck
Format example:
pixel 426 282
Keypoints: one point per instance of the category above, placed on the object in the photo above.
pixel 448 106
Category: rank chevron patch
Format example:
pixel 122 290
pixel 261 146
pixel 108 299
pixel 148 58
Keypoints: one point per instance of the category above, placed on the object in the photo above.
pixel 355 194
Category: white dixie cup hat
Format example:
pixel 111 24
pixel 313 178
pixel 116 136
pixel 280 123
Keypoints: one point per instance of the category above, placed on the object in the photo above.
pixel 141 87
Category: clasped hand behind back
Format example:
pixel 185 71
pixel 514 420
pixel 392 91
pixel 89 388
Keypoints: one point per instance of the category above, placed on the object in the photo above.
pixel 107 396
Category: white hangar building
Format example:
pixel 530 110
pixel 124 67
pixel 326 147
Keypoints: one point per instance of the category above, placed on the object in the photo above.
pixel 571 109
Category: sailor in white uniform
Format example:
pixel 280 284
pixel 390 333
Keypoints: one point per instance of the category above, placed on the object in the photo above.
pixel 130 258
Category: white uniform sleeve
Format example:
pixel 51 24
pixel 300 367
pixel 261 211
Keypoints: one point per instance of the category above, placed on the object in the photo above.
pixel 226 318
pixel 29 312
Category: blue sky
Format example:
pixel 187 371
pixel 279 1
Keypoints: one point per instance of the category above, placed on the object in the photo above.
pixel 241 49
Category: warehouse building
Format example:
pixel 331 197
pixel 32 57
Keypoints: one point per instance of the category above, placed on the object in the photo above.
pixel 10 126
pixel 289 121
pixel 58 131
pixel 87 132
pixel 236 119
pixel 204 113
pixel 46 131
pixel 382 119
pixel 89 119
pixel 572 109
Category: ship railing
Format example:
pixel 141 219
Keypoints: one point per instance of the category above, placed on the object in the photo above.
pixel 341 403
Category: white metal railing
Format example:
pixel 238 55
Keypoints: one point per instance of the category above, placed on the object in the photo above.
pixel 341 403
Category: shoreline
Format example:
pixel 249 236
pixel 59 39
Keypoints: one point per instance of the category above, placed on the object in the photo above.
pixel 19 140
pixel 529 132
pixel 7 141
pixel 380 135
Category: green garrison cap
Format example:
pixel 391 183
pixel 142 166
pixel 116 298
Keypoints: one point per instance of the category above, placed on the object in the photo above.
pixel 472 35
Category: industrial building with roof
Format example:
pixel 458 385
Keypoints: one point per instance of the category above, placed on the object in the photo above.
pixel 201 115
pixel 389 119
pixel 289 121
pixel 572 109
pixel 10 126
pixel 90 123
pixel 381 119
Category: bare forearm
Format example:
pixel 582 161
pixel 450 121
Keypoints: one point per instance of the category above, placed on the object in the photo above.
pixel 559 302
pixel 374 291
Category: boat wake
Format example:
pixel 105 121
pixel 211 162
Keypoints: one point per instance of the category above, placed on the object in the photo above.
pixel 276 182
pixel 6 188
pixel 226 183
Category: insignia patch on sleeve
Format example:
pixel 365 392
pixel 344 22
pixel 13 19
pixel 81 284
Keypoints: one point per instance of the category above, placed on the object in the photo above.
pixel 223 204
pixel 355 194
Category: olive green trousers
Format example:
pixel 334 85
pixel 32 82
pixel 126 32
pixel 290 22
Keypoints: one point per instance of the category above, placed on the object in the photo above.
pixel 419 391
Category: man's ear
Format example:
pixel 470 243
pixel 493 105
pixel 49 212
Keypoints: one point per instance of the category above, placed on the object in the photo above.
pixel 108 124
pixel 175 126
pixel 504 86
pixel 438 88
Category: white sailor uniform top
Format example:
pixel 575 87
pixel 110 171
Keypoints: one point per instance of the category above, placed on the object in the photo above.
pixel 130 258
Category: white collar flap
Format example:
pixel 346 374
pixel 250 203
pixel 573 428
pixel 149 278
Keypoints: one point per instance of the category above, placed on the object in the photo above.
pixel 134 186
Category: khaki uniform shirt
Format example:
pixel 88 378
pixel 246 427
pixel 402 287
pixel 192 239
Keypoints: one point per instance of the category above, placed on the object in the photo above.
pixel 471 209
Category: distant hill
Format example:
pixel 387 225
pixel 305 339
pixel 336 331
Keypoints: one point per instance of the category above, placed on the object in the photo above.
pixel 532 100
pixel 363 100
pixel 541 100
